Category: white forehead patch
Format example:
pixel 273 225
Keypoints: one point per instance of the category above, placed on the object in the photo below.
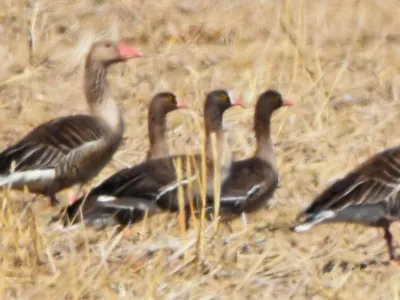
pixel 230 96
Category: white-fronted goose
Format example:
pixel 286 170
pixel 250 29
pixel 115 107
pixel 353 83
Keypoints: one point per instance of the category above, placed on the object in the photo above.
pixel 159 107
pixel 252 182
pixel 71 150
pixel 368 195
pixel 152 185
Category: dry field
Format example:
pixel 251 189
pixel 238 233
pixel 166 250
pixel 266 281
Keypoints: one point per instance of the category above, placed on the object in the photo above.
pixel 337 60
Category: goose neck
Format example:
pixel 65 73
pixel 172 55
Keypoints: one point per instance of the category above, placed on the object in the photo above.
pixel 157 127
pixel 264 148
pixel 98 96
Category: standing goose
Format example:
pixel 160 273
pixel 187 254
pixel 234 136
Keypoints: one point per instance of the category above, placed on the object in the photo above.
pixel 367 195
pixel 159 107
pixel 252 182
pixel 152 185
pixel 71 150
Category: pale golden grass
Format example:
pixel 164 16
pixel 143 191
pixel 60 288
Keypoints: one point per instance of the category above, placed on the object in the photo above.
pixel 337 60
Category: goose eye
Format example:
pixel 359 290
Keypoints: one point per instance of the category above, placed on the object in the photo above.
pixel 170 98
pixel 223 97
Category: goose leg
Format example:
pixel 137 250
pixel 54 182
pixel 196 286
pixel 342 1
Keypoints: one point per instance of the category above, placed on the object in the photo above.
pixel 128 233
pixel 73 193
pixel 188 215
pixel 53 200
pixel 389 242
pixel 35 198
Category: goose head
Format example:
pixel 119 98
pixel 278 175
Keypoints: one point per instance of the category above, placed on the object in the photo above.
pixel 165 102
pixel 109 52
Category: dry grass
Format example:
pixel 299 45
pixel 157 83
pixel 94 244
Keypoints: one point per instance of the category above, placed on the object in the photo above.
pixel 338 61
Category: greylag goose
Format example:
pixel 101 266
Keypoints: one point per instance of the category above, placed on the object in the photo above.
pixel 368 195
pixel 69 151
pixel 159 107
pixel 152 185
pixel 253 181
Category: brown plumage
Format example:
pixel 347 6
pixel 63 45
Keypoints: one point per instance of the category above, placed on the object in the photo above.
pixel 252 182
pixel 71 150
pixel 368 195
pixel 152 185
pixel 159 107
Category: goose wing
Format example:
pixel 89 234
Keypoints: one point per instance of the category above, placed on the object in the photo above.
pixel 144 179
pixel 48 143
pixel 153 182
pixel 250 184
pixel 376 180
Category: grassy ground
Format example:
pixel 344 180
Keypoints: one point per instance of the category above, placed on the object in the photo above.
pixel 337 60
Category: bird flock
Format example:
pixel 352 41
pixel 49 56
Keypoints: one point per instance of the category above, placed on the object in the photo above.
pixel 69 151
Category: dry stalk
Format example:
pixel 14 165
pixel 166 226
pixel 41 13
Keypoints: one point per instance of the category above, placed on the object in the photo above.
pixel 218 161
pixel 181 196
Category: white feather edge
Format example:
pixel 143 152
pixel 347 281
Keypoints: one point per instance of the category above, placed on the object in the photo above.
pixel 26 177
pixel 106 198
pixel 136 203
pixel 318 218
pixel 174 186
pixel 230 96
pixel 145 206
pixel 253 190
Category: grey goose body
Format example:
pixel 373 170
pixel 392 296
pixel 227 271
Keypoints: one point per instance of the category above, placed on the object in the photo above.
pixel 70 150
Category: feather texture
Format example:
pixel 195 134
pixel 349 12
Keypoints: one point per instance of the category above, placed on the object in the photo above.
pixel 153 182
pixel 253 181
pixel 156 180
pixel 249 181
pixel 48 143
pixel 70 150
pixel 375 181
pixel 368 195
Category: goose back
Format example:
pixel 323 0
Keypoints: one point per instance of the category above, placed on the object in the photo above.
pixel 368 195
pixel 45 145
pixel 376 181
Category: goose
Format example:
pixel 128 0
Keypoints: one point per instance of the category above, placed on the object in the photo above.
pixel 253 181
pixel 68 151
pixel 159 107
pixel 152 185
pixel 368 195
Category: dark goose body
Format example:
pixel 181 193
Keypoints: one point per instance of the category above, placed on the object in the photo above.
pixel 368 195
pixel 152 185
pixel 253 181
